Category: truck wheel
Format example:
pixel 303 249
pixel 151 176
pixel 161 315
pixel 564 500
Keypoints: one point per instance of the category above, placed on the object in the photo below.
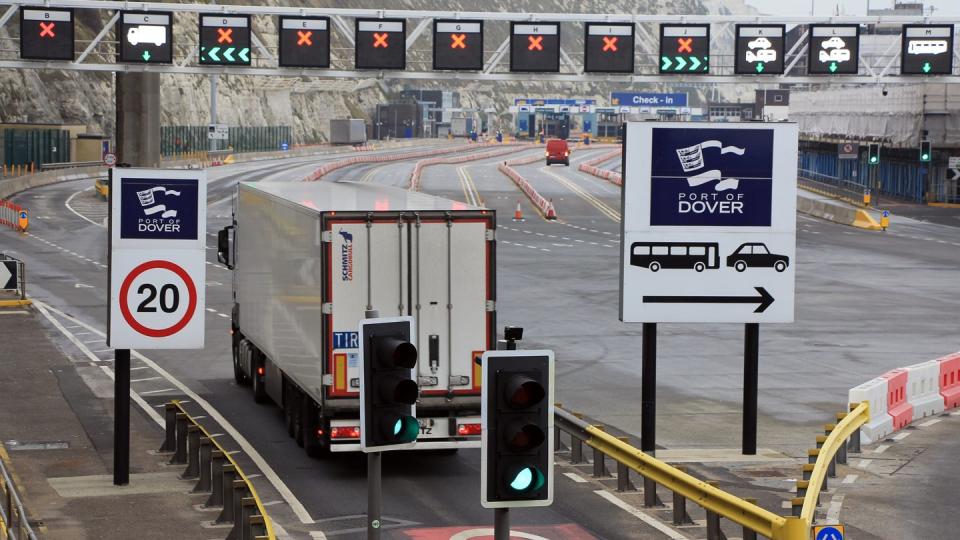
pixel 259 388
pixel 238 375
pixel 314 443
pixel 296 412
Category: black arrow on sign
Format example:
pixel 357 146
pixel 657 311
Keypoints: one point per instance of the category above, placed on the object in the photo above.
pixel 763 301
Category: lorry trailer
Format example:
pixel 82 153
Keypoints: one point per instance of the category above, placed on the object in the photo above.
pixel 309 260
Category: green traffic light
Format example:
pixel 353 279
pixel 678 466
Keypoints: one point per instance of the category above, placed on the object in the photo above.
pixel 527 479
pixel 405 429
pixel 925 157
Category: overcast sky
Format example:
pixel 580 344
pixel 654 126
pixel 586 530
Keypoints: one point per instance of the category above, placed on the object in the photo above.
pixel 850 7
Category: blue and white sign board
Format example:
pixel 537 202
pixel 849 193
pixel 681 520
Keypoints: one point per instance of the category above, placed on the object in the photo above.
pixel 709 222
pixel 648 99
pixel 158 239
pixel 829 532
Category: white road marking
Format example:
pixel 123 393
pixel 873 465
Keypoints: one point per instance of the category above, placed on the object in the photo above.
pixel 298 509
pixel 901 436
pixel 833 512
pixel 81 216
pixel 641 515
pixel 849 479
pixel 881 449
pixel 162 390
pixel 145 379
pixel 864 464
pixel 575 477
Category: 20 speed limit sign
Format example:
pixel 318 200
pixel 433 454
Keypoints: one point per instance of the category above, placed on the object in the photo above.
pixel 160 301
pixel 157 258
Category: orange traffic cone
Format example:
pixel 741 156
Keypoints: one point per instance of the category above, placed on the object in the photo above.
pixel 551 212
pixel 518 213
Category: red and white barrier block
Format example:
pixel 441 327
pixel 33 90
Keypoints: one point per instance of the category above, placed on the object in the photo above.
pixel 544 205
pixel 385 158
pixel 424 163
pixel 903 395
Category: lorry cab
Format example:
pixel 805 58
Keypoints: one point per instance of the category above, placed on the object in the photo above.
pixel 558 151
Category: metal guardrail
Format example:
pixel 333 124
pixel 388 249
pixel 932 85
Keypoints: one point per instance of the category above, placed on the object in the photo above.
pixel 14 523
pixel 216 472
pixel 831 186
pixel 716 502
pixel 69 165
pixel 21 274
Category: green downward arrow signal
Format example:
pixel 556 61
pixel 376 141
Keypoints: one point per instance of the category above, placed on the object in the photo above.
pixel 243 54
pixel 146 56
pixel 927 67
pixel 694 63
pixel 681 63
pixel 213 54
pixel 228 54
pixel 666 63
pixel 760 67
pixel 833 67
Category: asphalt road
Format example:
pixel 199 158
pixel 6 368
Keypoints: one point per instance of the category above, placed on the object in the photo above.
pixel 866 302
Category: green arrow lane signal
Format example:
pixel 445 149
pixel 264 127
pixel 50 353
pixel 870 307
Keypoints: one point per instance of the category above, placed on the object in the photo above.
pixel 927 67
pixel 681 63
pixel 694 63
pixel 244 54
pixel 760 67
pixel 833 67
pixel 146 56
pixel 212 54
pixel 228 55
pixel 666 63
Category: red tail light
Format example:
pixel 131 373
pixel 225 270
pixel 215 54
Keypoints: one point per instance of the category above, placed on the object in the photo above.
pixel 464 430
pixel 260 371
pixel 345 432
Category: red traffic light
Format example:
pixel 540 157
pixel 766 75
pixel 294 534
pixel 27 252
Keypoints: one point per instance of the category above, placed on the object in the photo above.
pixel 224 35
pixel 303 38
pixel 536 43
pixel 458 41
pixel 610 43
pixel 380 40
pixel 522 392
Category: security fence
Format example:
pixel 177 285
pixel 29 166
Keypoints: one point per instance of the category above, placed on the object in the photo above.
pixel 23 146
pixel 177 140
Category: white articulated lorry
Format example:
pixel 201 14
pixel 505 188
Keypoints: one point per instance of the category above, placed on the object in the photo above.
pixel 309 258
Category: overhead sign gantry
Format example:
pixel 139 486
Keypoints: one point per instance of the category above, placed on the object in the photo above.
pixel 46 34
pixel 304 42
pixel 225 40
pixel 145 37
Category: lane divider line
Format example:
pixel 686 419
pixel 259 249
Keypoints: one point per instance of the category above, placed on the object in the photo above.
pixel 641 515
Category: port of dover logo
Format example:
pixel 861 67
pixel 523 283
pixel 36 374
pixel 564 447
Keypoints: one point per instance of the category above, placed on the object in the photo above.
pixel 719 177
pixel 158 209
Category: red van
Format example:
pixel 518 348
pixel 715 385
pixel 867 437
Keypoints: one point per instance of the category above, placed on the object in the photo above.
pixel 558 152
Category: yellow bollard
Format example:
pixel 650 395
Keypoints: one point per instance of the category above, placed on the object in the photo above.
pixel 866 197
pixel 31 167
pixel 885 220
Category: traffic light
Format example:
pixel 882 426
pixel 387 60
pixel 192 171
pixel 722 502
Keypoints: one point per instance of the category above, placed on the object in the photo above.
pixel 388 387
pixel 516 456
pixel 926 153
pixel 874 154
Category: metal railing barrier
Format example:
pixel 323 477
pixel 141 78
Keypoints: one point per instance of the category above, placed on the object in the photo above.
pixel 831 186
pixel 717 503
pixel 14 522
pixel 69 165
pixel 216 473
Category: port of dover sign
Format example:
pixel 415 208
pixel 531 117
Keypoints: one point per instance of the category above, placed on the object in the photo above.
pixel 157 258
pixel 709 222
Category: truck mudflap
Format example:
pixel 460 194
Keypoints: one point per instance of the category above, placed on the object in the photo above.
pixel 441 433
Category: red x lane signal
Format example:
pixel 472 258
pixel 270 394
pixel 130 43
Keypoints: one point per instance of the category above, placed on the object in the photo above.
pixel 536 43
pixel 46 30
pixel 458 41
pixel 303 38
pixel 610 43
pixel 224 35
pixel 685 45
pixel 380 40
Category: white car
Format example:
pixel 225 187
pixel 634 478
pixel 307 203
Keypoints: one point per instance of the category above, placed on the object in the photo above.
pixel 156 35
pixel 760 43
pixel 836 55
pixel 763 55
pixel 834 43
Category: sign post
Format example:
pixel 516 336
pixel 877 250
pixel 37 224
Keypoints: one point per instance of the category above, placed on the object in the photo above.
pixel 157 235
pixel 709 235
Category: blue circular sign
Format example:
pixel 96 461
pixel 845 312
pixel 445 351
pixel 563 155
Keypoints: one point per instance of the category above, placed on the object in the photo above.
pixel 829 533
pixel 23 215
